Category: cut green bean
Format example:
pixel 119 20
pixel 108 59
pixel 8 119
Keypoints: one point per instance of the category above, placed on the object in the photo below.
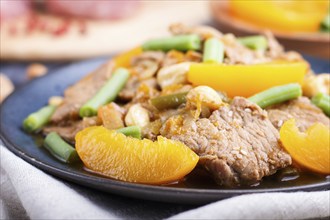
pixel 323 102
pixel 106 94
pixel 213 51
pixel 35 121
pixel 325 24
pixel 277 95
pixel 169 101
pixel 180 42
pixel 257 42
pixel 132 131
pixel 60 149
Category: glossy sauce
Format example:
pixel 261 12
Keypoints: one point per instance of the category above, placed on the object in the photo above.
pixel 200 179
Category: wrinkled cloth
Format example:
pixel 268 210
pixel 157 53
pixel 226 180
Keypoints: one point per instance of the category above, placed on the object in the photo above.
pixel 29 193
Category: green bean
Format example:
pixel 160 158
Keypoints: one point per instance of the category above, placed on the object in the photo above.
pixel 35 121
pixel 60 149
pixel 106 94
pixel 180 42
pixel 323 102
pixel 132 131
pixel 325 24
pixel 213 51
pixel 169 101
pixel 257 42
pixel 277 95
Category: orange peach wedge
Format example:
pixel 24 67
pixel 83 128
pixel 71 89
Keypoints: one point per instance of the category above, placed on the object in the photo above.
pixel 129 159
pixel 310 149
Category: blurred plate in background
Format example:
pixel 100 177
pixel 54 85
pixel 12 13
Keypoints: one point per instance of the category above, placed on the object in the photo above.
pixel 316 44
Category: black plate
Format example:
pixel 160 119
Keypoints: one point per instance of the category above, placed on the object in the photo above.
pixel 197 189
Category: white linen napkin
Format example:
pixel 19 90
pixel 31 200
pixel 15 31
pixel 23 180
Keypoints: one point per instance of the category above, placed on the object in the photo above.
pixel 27 192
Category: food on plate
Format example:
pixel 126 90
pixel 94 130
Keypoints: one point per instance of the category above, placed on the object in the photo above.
pixel 199 97
pixel 111 116
pixel 36 120
pixel 180 43
pixel 60 149
pixel 257 42
pixel 213 51
pixel 277 94
pixel 246 80
pixel 132 131
pixel 315 84
pixel 124 59
pixel 323 102
pixel 284 16
pixel 6 87
pixel 301 108
pixel 310 148
pixel 106 94
pixel 130 159
pixel 237 143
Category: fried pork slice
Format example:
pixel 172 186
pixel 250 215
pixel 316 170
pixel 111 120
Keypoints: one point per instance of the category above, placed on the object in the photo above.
pixel 237 144
pixel 76 95
pixel 302 110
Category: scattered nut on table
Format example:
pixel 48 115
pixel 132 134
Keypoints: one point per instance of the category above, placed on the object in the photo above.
pixel 6 87
pixel 36 70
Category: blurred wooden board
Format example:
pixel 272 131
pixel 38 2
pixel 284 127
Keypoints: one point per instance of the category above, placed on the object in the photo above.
pixel 316 44
pixel 84 39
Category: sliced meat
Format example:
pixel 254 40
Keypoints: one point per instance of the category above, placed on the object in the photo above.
pixel 237 144
pixel 131 88
pixel 174 57
pixel 76 95
pixel 274 48
pixel 69 131
pixel 147 64
pixel 276 51
pixel 236 53
pixel 10 9
pixel 203 31
pixel 93 9
pixel 156 56
pixel 193 56
pixel 301 109
pixel 151 130
pixel 127 93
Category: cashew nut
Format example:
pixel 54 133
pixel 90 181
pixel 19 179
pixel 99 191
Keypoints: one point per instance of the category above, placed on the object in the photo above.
pixel 172 75
pixel 137 115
